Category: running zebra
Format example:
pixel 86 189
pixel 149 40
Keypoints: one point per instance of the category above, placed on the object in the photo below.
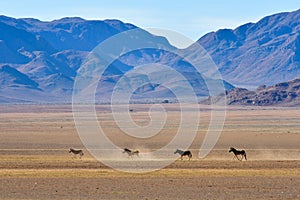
pixel 237 152
pixel 130 152
pixel 76 152
pixel 184 153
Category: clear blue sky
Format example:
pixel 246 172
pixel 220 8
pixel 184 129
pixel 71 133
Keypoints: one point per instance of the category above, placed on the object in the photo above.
pixel 192 18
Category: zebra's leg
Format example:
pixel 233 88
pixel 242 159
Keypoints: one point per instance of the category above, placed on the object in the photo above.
pixel 236 156
pixel 243 156
pixel 239 158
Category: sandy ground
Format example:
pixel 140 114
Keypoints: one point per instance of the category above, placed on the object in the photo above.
pixel 35 163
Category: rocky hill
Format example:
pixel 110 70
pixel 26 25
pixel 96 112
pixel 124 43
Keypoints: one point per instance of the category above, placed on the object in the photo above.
pixel 281 94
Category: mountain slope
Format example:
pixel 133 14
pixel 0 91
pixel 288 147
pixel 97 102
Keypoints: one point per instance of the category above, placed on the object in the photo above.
pixel 10 77
pixel 16 45
pixel 266 52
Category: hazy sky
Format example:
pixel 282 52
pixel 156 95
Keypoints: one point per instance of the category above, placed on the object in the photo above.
pixel 192 18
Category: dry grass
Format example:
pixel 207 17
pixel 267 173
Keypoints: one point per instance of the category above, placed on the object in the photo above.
pixel 164 173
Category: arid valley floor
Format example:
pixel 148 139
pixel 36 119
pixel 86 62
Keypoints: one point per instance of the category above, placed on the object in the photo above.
pixel 35 163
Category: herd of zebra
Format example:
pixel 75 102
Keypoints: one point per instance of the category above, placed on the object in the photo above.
pixel 182 153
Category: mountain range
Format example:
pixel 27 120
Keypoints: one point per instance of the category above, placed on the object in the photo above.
pixel 40 60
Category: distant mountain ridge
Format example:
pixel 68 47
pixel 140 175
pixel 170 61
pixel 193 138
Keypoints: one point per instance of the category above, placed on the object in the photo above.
pixel 45 57
pixel 48 54
pixel 70 33
pixel 266 52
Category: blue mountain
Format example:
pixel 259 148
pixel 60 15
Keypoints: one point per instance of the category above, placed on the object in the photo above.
pixel 266 52
pixel 44 58
pixel 11 77
pixel 40 60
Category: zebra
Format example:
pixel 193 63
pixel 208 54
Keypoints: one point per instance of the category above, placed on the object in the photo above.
pixel 76 152
pixel 237 152
pixel 130 152
pixel 183 153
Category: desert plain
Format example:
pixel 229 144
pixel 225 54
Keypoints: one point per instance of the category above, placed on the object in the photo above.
pixel 35 162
